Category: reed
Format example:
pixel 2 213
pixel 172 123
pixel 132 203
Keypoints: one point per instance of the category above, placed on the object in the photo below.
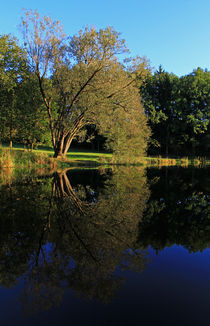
pixel 6 158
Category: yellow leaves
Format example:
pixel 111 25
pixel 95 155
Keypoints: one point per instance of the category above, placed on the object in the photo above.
pixel 91 45
pixel 42 37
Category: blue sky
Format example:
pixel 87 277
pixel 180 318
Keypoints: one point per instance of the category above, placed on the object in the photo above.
pixel 173 33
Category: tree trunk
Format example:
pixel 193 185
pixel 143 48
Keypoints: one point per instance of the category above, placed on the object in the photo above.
pixel 59 147
pixel 62 146
pixel 65 190
pixel 10 144
pixel 67 143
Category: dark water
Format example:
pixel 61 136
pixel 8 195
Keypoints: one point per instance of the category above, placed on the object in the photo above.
pixel 127 246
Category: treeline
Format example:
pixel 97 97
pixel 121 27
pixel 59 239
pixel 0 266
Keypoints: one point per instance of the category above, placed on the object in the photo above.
pixel 56 90
pixel 178 110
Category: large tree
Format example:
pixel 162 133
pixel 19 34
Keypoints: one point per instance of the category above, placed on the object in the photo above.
pixel 82 82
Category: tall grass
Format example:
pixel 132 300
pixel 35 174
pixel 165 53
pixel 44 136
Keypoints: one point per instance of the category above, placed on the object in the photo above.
pixel 6 158
pixel 23 159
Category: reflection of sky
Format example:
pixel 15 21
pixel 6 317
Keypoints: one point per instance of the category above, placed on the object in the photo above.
pixel 174 289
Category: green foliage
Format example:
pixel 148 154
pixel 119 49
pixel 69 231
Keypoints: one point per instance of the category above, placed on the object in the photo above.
pixel 12 62
pixel 178 111
pixel 22 117
pixel 159 93
pixel 12 70
pixel 33 121
pixel 194 103
pixel 88 84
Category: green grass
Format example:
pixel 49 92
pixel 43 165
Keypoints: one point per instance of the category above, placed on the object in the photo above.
pixel 17 157
pixel 73 154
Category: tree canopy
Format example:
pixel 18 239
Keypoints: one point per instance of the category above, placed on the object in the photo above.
pixel 82 82
pixel 179 111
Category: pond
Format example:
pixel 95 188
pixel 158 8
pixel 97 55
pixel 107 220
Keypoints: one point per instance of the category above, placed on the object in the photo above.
pixel 118 246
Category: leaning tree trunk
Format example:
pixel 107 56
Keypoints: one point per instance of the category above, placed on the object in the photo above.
pixel 67 143
pixel 64 142
pixel 64 189
pixel 62 145
pixel 58 148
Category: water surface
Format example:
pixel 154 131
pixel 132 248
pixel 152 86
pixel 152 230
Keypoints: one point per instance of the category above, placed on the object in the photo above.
pixel 124 246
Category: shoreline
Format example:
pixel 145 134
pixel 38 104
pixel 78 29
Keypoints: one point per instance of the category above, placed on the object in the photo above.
pixel 25 159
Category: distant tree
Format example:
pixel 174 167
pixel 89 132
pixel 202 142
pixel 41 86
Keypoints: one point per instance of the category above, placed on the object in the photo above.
pixel 178 110
pixel 159 95
pixel 86 83
pixel 194 106
pixel 12 69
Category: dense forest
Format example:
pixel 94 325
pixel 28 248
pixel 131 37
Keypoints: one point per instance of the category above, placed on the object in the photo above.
pixel 178 109
pixel 57 90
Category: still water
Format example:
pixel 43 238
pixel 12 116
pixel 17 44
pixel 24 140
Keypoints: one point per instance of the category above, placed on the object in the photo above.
pixel 123 246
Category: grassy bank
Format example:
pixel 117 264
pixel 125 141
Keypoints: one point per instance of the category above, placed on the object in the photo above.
pixel 43 157
pixel 23 159
pixel 19 158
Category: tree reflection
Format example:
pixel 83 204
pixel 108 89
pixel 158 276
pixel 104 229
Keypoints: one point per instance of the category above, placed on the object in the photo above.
pixel 79 229
pixel 61 235
pixel 178 211
pixel 95 229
